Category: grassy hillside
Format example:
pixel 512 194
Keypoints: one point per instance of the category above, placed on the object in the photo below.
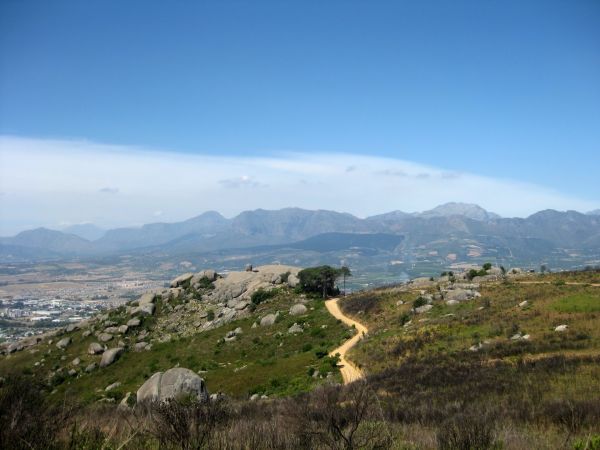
pixel 264 360
pixel 495 358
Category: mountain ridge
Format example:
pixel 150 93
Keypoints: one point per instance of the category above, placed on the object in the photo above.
pixel 208 232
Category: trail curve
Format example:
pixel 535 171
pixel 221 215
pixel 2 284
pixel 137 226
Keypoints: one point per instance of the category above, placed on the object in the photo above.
pixel 350 372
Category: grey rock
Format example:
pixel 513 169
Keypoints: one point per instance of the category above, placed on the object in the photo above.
pixel 123 329
pixel 135 322
pixel 111 330
pixel 181 280
pixel 298 309
pixel 147 299
pixel 72 372
pixel 242 305
pixel 294 329
pixel 268 320
pixel 143 310
pixel 110 356
pixel 423 309
pixel 561 328
pixel 140 346
pixel 93 366
pixel 105 337
pixel 64 343
pixel 172 384
pixel 110 387
pixel 76 362
pixel 459 295
pixel 86 333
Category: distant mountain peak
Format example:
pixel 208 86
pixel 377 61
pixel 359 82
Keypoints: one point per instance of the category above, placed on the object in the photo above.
pixel 469 210
pixel 595 212
pixel 87 231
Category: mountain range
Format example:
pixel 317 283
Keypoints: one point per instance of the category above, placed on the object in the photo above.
pixel 458 229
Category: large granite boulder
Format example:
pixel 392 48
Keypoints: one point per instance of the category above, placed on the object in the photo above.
pixel 172 384
pixel 298 309
pixel 210 274
pixel 147 298
pixel 268 320
pixel 110 356
pixel 182 280
pixel 143 310
pixel 64 343
pixel 95 349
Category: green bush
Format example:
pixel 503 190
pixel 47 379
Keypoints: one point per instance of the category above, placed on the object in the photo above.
pixel 210 315
pixel 261 295
pixel 419 302
pixel 589 443
pixel 205 283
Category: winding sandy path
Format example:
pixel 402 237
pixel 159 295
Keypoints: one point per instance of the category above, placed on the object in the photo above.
pixel 350 372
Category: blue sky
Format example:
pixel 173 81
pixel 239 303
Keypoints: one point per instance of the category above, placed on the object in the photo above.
pixel 499 89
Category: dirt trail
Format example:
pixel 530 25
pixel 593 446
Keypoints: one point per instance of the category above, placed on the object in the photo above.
pixel 349 371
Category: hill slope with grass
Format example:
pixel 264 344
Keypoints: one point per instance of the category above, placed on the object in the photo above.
pixel 246 333
pixel 518 353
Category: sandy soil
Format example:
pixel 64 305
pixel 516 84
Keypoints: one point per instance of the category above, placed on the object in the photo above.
pixel 350 372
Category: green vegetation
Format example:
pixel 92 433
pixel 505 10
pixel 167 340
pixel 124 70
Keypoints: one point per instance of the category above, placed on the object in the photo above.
pixel 578 303
pixel 321 280
pixel 261 295
pixel 465 358
pixel 265 360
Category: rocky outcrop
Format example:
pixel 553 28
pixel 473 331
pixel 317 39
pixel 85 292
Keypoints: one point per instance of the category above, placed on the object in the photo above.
pixel 241 285
pixel 182 280
pixel 172 384
pixel 144 310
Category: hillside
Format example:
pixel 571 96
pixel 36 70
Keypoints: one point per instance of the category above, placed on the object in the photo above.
pixel 207 324
pixel 521 352
pixel 479 359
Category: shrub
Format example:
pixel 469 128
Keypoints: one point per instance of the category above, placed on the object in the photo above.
pixel 205 283
pixel 589 443
pixel 467 432
pixel 261 295
pixel 210 315
pixel 419 302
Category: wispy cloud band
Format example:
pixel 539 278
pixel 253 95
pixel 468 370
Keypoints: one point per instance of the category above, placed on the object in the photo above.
pixel 45 182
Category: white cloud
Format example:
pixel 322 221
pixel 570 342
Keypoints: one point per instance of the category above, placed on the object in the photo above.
pixel 241 182
pixel 48 181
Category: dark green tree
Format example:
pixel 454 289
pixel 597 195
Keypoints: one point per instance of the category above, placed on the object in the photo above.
pixel 320 280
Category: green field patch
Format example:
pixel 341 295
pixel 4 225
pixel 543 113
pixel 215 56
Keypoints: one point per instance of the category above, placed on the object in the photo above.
pixel 578 303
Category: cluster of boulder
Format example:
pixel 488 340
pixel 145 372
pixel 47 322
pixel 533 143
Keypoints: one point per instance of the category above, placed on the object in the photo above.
pixel 193 302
